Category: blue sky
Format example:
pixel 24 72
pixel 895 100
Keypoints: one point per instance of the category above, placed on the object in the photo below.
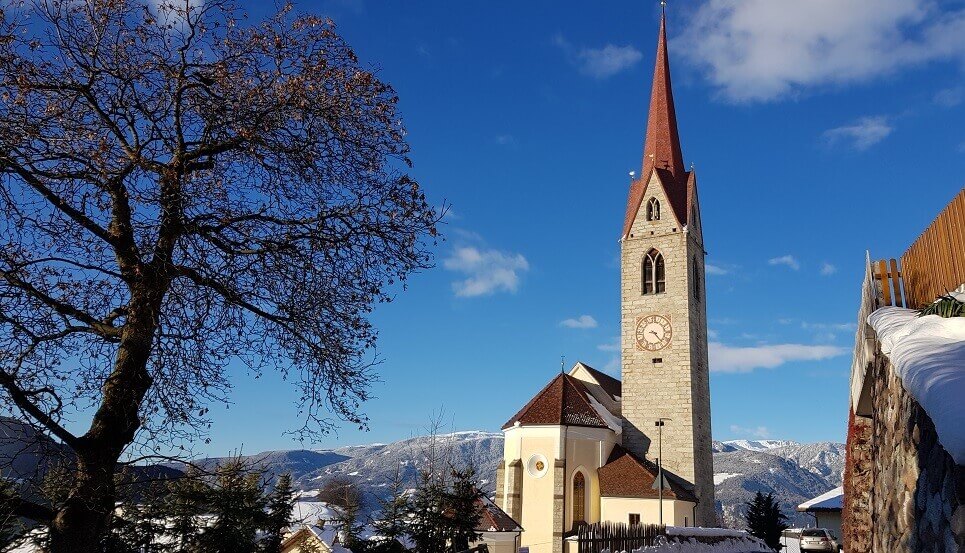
pixel 818 129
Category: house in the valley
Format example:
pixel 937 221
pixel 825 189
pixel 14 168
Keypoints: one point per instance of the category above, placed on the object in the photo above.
pixel 826 510
pixel 904 480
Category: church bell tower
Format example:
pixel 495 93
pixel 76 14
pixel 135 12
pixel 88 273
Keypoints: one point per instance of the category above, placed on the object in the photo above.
pixel 663 305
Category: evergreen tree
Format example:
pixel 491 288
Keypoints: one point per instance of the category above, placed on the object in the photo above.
pixel 280 504
pixel 390 524
pixel 765 520
pixel 427 527
pixel 183 505
pixel 463 508
pixel 236 509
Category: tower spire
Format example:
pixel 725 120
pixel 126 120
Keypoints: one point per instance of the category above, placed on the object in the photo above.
pixel 662 147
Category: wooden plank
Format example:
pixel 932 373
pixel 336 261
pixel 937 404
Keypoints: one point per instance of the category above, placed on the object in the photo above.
pixel 883 280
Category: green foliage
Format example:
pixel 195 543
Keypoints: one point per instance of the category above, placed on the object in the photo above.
pixel 444 514
pixel 765 520
pixel 237 506
pixel 945 306
pixel 390 523
pixel 280 504
pixel 427 524
pixel 463 508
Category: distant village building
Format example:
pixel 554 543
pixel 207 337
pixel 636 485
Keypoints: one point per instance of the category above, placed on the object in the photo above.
pixel 904 480
pixel 826 509
pixel 587 447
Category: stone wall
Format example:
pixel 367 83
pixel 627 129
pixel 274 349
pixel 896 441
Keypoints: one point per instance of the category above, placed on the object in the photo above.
pixel 917 492
pixel 858 470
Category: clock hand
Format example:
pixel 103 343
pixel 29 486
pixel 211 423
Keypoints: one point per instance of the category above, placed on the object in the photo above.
pixel 655 334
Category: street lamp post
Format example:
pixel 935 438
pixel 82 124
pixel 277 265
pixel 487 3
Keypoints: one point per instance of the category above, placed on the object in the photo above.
pixel 659 423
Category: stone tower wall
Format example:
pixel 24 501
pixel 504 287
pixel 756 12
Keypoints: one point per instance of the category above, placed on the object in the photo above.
pixel 673 382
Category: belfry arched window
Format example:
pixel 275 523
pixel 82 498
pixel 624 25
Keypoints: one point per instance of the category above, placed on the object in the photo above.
pixel 653 209
pixel 654 278
pixel 579 498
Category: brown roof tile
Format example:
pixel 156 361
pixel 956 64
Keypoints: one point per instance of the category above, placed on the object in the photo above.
pixel 563 401
pixel 494 519
pixel 626 475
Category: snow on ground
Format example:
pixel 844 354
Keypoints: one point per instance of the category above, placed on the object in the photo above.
pixel 928 354
pixel 719 477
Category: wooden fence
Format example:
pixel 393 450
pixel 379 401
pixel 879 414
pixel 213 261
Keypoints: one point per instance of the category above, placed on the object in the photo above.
pixel 935 263
pixel 609 536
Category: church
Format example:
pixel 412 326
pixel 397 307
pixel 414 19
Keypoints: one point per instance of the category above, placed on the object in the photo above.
pixel 590 448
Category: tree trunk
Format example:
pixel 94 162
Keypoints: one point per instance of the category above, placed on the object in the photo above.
pixel 83 520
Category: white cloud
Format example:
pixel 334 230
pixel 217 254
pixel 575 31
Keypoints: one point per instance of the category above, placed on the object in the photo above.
pixel 712 334
pixel 949 97
pixel 828 269
pixel 599 63
pixel 788 260
pixel 583 321
pixel 731 359
pixel 487 271
pixel 715 270
pixel 763 50
pixel 506 140
pixel 760 432
pixel 861 134
pixel 850 327
pixel 611 346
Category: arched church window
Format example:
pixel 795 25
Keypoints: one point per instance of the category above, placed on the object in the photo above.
pixel 696 280
pixel 653 209
pixel 654 278
pixel 579 498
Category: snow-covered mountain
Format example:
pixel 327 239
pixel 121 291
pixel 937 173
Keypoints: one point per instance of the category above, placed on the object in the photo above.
pixel 792 471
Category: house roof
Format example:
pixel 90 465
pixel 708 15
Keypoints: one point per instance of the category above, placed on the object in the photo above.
pixel 494 519
pixel 661 151
pixel 626 475
pixel 829 501
pixel 564 401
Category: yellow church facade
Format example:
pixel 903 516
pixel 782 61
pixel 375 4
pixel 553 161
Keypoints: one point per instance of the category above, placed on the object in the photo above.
pixel 589 447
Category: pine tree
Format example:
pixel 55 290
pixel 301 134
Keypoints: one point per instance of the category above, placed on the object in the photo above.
pixel 183 505
pixel 237 509
pixel 280 504
pixel 427 527
pixel 390 524
pixel 765 520
pixel 463 508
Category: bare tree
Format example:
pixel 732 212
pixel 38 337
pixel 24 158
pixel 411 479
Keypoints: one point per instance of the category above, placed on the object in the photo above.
pixel 181 190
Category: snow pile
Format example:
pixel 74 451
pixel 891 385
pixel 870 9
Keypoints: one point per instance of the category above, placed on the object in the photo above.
pixel 928 354
pixel 614 422
pixel 681 539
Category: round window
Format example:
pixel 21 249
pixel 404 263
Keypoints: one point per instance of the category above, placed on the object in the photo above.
pixel 537 466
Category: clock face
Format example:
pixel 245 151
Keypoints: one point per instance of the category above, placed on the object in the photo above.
pixel 653 332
